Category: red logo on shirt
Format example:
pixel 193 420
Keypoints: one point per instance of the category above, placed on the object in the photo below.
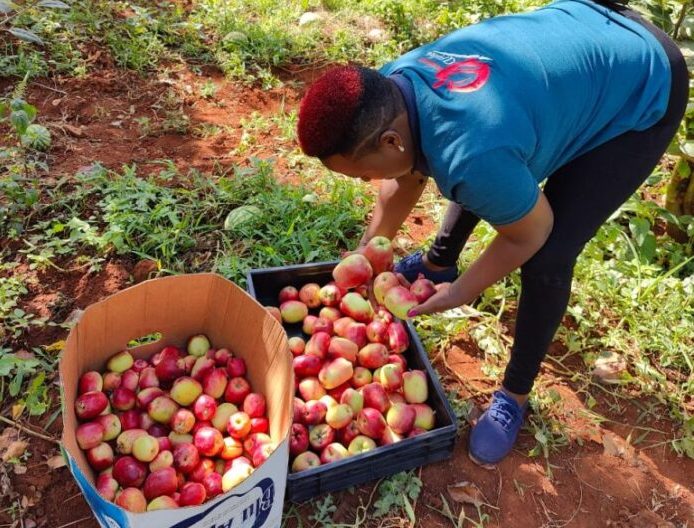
pixel 466 75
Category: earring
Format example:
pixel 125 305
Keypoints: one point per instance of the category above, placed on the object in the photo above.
pixel 401 148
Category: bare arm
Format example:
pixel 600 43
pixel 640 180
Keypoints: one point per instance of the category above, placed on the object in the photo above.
pixel 512 247
pixel 396 199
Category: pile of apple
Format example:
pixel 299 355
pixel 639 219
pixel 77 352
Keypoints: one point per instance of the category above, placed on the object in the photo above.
pixel 173 431
pixel 354 391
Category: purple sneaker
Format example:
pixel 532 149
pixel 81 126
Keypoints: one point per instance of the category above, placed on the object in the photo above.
pixel 496 431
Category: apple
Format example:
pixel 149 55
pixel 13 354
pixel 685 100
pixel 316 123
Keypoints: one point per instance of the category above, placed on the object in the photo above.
pixel 311 389
pixel 371 422
pixel 130 380
pixel 375 397
pixel 164 441
pixel 329 401
pixel 111 381
pixel 209 441
pixel 198 345
pixel 170 365
pixel 373 355
pixel 132 499
pixel 330 295
pixel 177 439
pixel 106 486
pixel 333 452
pixel 231 448
pixel 401 418
pixel 336 393
pixel 318 345
pixel 185 390
pixel 123 399
pixel 239 425
pixel 125 440
pixel 100 457
pixel 362 376
pixel 382 283
pixel 399 301
pixel 296 345
pixel 148 378
pixel 212 484
pixel 129 472
pixel 339 416
pixel 377 332
pixel 422 288
pixel 340 325
pixel 261 454
pixel 347 433
pixel 91 382
pixel 379 252
pixel 335 373
pixel 90 434
pixel 162 409
pixel 221 417
pixel 205 407
pixel 320 436
pixel 415 386
pixel 145 448
pixel 204 468
pixel 183 421
pixel 424 416
pixel 186 457
pixel 390 376
pixel 352 271
pixel 111 424
pixel 355 306
pixel 308 325
pixel 390 437
pixel 235 476
pixel 145 421
pixel 222 357
pixel 304 461
pixel 140 364
pixel 343 348
pixel 361 444
pixel 162 503
pixel 160 482
pixel 202 366
pixel 236 390
pixel 323 325
pixel 255 442
pixel 396 397
pixel 146 396
pixel 309 294
pixel 192 494
pixel 90 405
pixel 254 405
pixel 293 311
pixel 314 412
pixel 398 339
pixel 357 332
pixel 189 361
pixel 330 313
pixel 164 459
pixel 288 293
pixel 236 367
pixel 307 365
pixel 354 399
pixel 298 439
pixel 399 360
pixel 120 362
pixel 299 407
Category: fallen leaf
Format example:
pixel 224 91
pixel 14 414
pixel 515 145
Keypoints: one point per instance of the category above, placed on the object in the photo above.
pixel 609 367
pixel 8 436
pixel 74 131
pixel 15 449
pixel 611 446
pixel 56 462
pixel 467 493
pixel 19 469
pixel 57 346
pixel 17 410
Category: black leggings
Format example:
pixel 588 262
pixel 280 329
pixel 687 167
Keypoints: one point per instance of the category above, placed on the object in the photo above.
pixel 583 194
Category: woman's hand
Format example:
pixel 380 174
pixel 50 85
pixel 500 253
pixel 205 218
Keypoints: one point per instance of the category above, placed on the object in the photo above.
pixel 447 296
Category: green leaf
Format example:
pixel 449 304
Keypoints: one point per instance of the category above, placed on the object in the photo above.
pixel 55 4
pixel 639 227
pixel 26 35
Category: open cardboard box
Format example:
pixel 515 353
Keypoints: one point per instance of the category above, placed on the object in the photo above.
pixel 178 307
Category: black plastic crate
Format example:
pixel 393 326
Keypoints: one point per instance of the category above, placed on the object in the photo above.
pixel 432 446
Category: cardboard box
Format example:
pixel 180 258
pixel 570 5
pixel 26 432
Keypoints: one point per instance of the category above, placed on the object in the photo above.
pixel 178 307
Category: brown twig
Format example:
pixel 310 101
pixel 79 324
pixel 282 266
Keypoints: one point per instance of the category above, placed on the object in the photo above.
pixel 680 19
pixel 29 431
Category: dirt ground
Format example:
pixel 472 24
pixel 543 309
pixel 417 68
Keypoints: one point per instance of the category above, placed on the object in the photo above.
pixel 597 480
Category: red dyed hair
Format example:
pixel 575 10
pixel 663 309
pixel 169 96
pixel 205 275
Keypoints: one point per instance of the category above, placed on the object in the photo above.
pixel 328 110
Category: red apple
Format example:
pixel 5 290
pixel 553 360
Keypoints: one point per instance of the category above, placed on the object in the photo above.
pixel 91 382
pixel 111 424
pixel 375 397
pixel 377 332
pixel 293 311
pixel 314 413
pixel 123 399
pixel 336 393
pixel 111 381
pixel 106 486
pixel 318 345
pixel 320 436
pixel 146 396
pixel 341 324
pixel 132 499
pixel 192 494
pixel 344 348
pixel 390 376
pixel 186 457
pixel 330 295
pixel 357 332
pixel 355 306
pixel 333 452
pixel 373 356
pixel 307 365
pixel 288 293
pixel 304 461
pixel 164 459
pixel 222 357
pixel 354 399
pixel 129 472
pixel 347 433
pixel 130 380
pixel 231 448
pixel 100 457
pixel 422 288
pixel 209 441
pixel 298 439
pixel 236 367
pixel 254 405
pixel 398 339
pixel 382 283
pixel 160 482
pixel 90 405
pixel 212 484
pixel 148 378
pixel 261 454
pixel 399 301
pixel 183 421
pixel 379 252
pixel 170 365
pixel 308 325
pixel 239 425
pixel 205 407
pixel 352 271
pixel 389 437
pixel 309 294
pixel 296 345
pixel 401 418
pixel 202 366
pixel 162 503
pixel 339 416
pixel 371 423
pixel 236 390
pixel 204 468
pixel 299 410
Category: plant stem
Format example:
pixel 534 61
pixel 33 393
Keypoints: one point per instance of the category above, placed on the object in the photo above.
pixel 680 19
pixel 29 431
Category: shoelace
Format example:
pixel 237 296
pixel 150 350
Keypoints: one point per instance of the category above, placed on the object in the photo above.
pixel 502 412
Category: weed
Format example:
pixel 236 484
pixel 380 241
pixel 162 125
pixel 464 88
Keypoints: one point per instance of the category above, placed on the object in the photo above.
pixel 396 495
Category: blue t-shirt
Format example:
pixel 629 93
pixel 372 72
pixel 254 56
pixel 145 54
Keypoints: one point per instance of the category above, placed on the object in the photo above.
pixel 504 103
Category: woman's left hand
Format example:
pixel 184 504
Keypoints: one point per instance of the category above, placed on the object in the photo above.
pixel 444 299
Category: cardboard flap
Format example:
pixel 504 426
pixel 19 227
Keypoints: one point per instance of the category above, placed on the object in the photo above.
pixel 179 307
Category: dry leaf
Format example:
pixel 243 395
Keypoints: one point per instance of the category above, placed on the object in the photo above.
pixel 56 462
pixel 15 449
pixel 17 410
pixel 609 367
pixel 8 436
pixel 611 446
pixel 19 469
pixel 467 492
